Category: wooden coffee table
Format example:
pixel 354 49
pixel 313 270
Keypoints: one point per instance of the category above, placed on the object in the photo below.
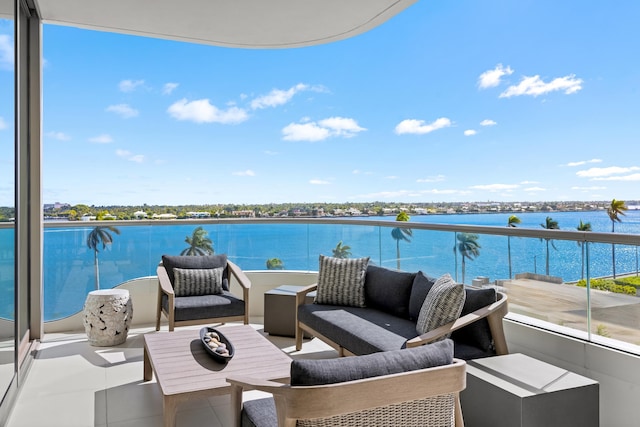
pixel 184 370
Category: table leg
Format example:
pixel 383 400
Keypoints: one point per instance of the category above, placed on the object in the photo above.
pixel 147 374
pixel 170 407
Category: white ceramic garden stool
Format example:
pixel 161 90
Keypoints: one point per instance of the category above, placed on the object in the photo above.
pixel 107 316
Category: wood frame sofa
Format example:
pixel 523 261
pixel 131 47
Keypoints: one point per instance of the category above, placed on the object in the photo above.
pixel 477 333
pixel 415 387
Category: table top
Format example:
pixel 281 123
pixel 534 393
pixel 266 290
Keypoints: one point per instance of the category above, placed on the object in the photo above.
pixel 182 365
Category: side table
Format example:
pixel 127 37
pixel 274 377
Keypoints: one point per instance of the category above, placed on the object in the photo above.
pixel 280 310
pixel 516 390
pixel 107 316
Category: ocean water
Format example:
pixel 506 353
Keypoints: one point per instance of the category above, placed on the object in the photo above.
pixel 69 268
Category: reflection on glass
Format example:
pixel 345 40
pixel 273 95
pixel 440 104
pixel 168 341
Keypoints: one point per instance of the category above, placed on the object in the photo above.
pixel 7 202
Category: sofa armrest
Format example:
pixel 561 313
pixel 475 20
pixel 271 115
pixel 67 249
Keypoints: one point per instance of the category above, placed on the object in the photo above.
pixel 494 313
pixel 302 293
pixel 239 275
pixel 163 281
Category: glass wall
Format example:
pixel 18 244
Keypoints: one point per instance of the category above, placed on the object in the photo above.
pixel 7 200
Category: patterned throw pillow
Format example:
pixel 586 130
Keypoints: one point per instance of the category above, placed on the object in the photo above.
pixel 443 304
pixel 341 281
pixel 197 281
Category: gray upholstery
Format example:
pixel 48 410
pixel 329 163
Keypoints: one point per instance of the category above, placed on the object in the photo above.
pixel 366 330
pixel 208 261
pixel 205 306
pixel 259 413
pixel 306 372
pixel 477 334
pixel 388 290
pixel 421 286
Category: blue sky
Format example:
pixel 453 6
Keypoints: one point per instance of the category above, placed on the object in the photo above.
pixel 448 101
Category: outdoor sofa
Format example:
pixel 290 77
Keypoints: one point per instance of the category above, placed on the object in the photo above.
pixel 412 387
pixel 387 317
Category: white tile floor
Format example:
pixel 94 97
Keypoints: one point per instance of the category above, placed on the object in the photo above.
pixel 72 384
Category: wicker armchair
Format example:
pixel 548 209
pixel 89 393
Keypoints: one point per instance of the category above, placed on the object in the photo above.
pixel 423 397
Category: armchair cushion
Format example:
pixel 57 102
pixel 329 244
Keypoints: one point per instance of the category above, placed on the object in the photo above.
pixel 341 281
pixel 388 290
pixel 442 305
pixel 477 334
pixel 197 281
pixel 421 286
pixel 208 261
pixel 306 372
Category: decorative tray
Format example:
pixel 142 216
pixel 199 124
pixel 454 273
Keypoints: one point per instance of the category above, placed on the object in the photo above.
pixel 216 344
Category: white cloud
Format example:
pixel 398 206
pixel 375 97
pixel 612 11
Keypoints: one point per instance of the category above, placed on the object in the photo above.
pixel 584 162
pixel 248 172
pixel 318 131
pixel 419 127
pixel 3 124
pixel 491 78
pixel 318 182
pixel 341 126
pixel 534 189
pixel 470 132
pixel 137 158
pixel 305 132
pixel 488 122
pixel 123 110
pixel 129 85
pixel 535 86
pixel 495 187
pixel 594 188
pixel 392 177
pixel 277 97
pixel 60 136
pixel 101 139
pixel 437 178
pixel 201 111
pixel 632 177
pixel 6 52
pixel 168 88
pixel 604 172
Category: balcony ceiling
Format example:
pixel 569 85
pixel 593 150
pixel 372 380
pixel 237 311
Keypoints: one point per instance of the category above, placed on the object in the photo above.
pixel 231 23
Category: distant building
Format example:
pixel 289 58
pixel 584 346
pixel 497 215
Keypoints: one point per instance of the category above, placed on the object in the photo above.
pixel 140 214
pixel 164 216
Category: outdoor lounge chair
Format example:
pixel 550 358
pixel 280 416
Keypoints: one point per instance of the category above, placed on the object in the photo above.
pixel 354 391
pixel 195 290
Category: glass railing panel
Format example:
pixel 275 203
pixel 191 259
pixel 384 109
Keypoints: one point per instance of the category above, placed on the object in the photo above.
pixel 615 305
pixel 7 274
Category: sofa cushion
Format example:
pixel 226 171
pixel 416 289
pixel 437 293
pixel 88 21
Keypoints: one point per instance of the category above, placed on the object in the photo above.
pixel 341 281
pixel 208 261
pixel 306 372
pixel 259 413
pixel 477 334
pixel 359 330
pixel 421 286
pixel 197 281
pixel 388 290
pixel 442 305
pixel 206 306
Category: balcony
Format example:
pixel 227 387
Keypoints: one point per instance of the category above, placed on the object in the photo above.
pixel 588 331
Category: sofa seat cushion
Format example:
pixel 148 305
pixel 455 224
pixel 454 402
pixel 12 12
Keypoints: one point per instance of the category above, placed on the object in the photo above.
pixel 359 330
pixel 259 413
pixel 206 306
pixel 309 372
pixel 388 290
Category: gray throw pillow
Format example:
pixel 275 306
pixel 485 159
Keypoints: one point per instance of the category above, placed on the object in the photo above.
pixel 197 281
pixel 341 281
pixel 183 261
pixel 442 305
